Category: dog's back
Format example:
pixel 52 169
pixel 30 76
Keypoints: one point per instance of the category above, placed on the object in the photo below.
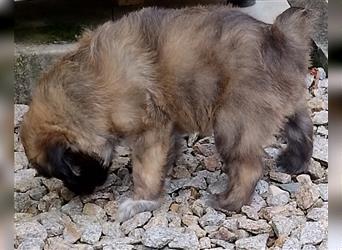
pixel 206 54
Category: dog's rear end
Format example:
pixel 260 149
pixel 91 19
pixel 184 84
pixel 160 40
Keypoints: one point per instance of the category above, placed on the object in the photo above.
pixel 267 92
pixel 297 25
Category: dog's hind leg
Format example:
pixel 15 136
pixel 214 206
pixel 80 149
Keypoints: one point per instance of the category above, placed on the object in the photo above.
pixel 241 155
pixel 298 132
pixel 153 153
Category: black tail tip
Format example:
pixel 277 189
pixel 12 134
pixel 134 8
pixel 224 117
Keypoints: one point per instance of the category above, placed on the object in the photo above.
pixel 293 164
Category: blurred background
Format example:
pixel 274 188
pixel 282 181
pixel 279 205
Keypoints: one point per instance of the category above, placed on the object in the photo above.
pixel 6 123
pixel 56 24
pixel 335 124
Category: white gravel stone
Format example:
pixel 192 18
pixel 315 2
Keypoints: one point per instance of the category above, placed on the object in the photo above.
pixel 91 229
pixel 71 232
pixel 272 152
pixel 321 72
pixel 323 245
pixel 37 193
pixel 112 229
pixel 157 220
pixel 277 196
pixel 291 244
pixel 308 193
pixel 186 240
pixel 20 160
pixel 94 210
pixel 19 111
pixel 320 118
pixel 255 227
pixel 231 223
pixel 292 187
pixel 197 208
pixel 53 184
pixel 318 214
pixel 18 146
pixel 323 191
pixel 309 247
pixel 29 230
pixel 315 170
pixel 137 234
pixel 52 222
pixel 257 202
pixel 73 207
pixel 262 188
pixel 212 218
pixel 22 202
pixel 218 186
pixel 251 212
pixel 108 242
pixel 31 244
pixel 223 243
pixel 197 182
pixel 313 233
pixel 204 243
pixel 322 130
pixel 323 83
pixel 192 139
pixel 288 210
pixel 137 221
pixel 252 243
pixel 280 177
pixel 158 237
pixel 24 180
pixel 283 225
pixel 320 150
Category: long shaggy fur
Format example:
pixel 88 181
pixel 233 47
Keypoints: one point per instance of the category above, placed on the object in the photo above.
pixel 156 73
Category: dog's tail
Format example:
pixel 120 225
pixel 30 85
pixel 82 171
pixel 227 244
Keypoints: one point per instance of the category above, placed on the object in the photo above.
pixel 298 132
pixel 298 24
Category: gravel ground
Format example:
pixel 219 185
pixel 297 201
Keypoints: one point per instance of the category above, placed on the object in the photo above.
pixel 287 212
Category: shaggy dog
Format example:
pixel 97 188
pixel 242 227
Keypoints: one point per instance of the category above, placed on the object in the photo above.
pixel 158 73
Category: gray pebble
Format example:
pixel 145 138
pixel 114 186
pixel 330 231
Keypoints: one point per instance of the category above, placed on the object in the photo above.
pixel 323 191
pixel 291 244
pixel 19 111
pixel 31 244
pixel 252 243
pixel 24 180
pixel 158 237
pixel 320 150
pixel 280 177
pixel 308 193
pixel 29 230
pixel 255 227
pixel 277 196
pixel 320 118
pixel 212 218
pixel 186 240
pixel 137 221
pixel 313 233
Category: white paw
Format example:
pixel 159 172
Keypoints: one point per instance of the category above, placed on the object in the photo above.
pixel 130 207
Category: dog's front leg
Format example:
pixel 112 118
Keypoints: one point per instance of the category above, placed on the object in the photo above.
pixel 152 155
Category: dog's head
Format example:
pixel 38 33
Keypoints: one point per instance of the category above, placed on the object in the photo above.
pixel 53 153
pixel 63 140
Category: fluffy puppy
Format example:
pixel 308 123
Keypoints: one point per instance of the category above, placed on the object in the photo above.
pixel 156 73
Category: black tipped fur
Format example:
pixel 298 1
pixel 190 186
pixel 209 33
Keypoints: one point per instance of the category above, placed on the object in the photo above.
pixel 298 131
pixel 80 172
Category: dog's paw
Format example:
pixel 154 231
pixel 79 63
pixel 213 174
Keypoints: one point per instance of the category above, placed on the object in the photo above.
pixel 131 207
